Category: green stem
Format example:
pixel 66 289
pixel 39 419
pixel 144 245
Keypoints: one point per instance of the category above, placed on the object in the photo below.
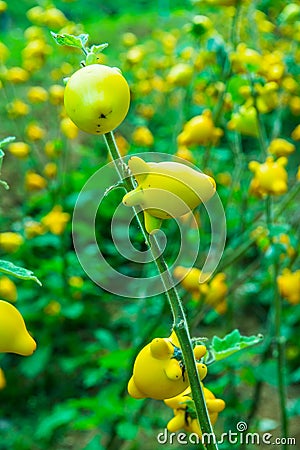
pixel 287 199
pixel 280 358
pixel 234 38
pixel 179 319
pixel 268 211
pixel 279 352
pixel 226 74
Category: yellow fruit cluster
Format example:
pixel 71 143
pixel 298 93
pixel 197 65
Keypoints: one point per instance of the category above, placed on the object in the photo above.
pixel 213 293
pixel 159 370
pixel 184 414
pixel 159 373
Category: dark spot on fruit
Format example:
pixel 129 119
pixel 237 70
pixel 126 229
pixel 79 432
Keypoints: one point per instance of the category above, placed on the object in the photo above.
pixel 102 116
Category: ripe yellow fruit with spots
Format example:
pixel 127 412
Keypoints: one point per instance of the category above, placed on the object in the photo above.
pixel 166 189
pixel 97 98
pixel 14 337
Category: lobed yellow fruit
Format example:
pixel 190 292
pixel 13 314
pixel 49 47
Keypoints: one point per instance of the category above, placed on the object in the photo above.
pixel 166 189
pixel 200 130
pixel 56 220
pixel 270 177
pixel 14 337
pixel 183 416
pixel 289 285
pixel 244 121
pixel 281 147
pixel 157 373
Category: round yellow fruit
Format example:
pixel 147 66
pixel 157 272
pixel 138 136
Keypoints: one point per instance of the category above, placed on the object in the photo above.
pixel 97 98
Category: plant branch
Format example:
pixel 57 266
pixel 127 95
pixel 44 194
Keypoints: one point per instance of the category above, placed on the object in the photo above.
pixel 280 357
pixel 179 319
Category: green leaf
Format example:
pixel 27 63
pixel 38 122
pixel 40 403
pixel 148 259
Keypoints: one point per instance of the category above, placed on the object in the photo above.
pixel 4 184
pixel 96 49
pixel 6 141
pixel 19 272
pixel 230 344
pixel 84 39
pixel 70 40
pixel 2 154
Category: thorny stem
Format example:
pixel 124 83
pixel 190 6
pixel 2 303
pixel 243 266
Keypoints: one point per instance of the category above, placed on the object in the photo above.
pixel 179 319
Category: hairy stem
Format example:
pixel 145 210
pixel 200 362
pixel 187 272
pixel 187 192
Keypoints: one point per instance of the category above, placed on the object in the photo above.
pixel 179 319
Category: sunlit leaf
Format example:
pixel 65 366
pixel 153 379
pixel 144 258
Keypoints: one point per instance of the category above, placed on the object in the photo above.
pixel 19 272
pixel 233 342
pixel 69 39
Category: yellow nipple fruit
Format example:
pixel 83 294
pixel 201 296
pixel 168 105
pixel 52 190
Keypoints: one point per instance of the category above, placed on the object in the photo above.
pixel 14 337
pixel 200 130
pixel 270 177
pixel 180 75
pixel 97 98
pixel 244 121
pixel 159 371
pixel 189 279
pixel 166 190
pixel 184 414
pixel 281 147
